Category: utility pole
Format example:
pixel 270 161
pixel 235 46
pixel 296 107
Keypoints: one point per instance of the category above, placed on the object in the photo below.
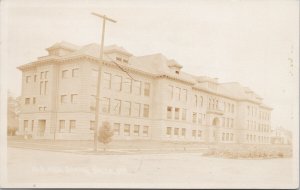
pixel 97 109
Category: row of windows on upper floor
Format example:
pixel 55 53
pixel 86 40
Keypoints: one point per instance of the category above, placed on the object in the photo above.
pixel 43 88
pixel 181 94
pixel 125 84
pixel 252 125
pixel 254 112
pixel 176 93
pixel 199 118
pixel 214 103
pixel 119 107
pixel 43 76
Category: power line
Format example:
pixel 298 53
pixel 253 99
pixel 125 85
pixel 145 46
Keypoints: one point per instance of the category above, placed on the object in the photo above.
pixel 120 67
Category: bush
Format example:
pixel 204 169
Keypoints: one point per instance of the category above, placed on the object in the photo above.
pixel 105 133
pixel 249 151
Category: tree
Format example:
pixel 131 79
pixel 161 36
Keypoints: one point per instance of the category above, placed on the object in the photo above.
pixel 105 134
pixel 12 114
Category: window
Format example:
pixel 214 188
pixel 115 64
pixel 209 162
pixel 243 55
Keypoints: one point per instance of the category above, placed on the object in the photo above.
pixel 136 87
pixel 195 100
pixel 42 75
pixel 25 125
pixel 176 113
pixel 61 125
pixel 118 58
pixel 170 92
pixel 176 131
pixel 146 110
pixel 136 107
pixel 32 125
pixel 33 100
pixel 199 133
pixel 125 60
pixel 35 78
pixel 45 89
pixel 92 102
pixel 194 117
pixel 74 98
pixel 183 132
pixel 169 131
pixel 94 75
pixel 183 114
pixel 92 125
pixel 106 80
pixel 116 107
pixel 27 100
pixel 65 74
pixel 146 89
pixel 105 104
pixel 63 99
pixel 177 93
pixel 169 112
pixel 41 108
pixel 200 118
pixel 117 83
pixel 72 125
pixel 117 128
pixel 232 108
pixel 194 133
pixel 231 123
pixel 46 74
pixel 75 72
pixel 231 136
pixel 184 94
pixel 146 131
pixel 223 122
pixel 227 136
pixel 136 130
pixel 127 85
pixel 223 136
pixel 41 87
pixel 28 79
pixel 126 108
pixel 201 101
pixel 126 129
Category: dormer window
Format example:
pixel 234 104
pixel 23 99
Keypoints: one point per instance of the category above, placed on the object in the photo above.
pixel 118 58
pixel 177 72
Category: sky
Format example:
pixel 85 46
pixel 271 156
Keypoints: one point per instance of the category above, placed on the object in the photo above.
pixel 255 43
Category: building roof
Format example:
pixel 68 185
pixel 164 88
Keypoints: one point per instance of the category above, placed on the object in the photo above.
pixel 65 45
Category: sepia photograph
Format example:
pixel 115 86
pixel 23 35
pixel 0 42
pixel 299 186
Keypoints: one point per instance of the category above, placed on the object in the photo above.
pixel 149 94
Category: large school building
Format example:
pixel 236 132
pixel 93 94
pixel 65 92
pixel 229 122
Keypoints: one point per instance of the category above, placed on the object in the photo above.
pixel 143 97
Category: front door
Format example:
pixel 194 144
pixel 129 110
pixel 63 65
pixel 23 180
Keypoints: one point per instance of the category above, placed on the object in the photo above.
pixel 41 128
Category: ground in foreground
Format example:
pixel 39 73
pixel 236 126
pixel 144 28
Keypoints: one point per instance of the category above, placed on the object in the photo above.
pixel 40 168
